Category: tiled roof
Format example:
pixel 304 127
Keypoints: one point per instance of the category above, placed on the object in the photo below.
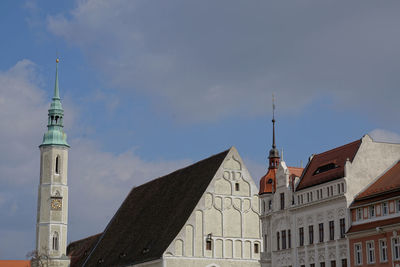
pixel 15 263
pixel 296 171
pixel 387 183
pixel 328 166
pixel 373 225
pixel 268 181
pixel 152 215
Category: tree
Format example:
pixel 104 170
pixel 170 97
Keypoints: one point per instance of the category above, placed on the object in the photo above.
pixel 39 258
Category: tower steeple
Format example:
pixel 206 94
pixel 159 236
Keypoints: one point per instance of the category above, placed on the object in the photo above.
pixel 55 134
pixel 52 211
pixel 273 153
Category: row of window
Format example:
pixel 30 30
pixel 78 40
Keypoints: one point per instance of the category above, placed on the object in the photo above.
pixel 372 210
pixel 286 242
pixel 332 264
pixel 209 245
pixel 321 232
pixel 370 251
pixel 320 193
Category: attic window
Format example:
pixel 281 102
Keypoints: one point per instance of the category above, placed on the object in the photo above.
pixel 325 168
pixel 270 181
pixel 146 250
pixel 237 186
pixel 100 261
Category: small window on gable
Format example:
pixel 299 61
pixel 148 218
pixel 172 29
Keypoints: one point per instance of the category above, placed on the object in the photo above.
pixel 208 245
pixel 325 168
pixel 209 242
pixel 57 167
pixel 237 186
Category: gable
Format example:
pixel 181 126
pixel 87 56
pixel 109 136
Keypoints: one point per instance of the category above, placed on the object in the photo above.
pixel 152 215
pixel 226 213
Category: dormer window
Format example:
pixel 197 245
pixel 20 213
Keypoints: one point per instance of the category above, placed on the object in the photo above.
pixel 325 168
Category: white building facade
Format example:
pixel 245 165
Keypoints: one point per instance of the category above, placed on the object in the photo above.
pixel 309 217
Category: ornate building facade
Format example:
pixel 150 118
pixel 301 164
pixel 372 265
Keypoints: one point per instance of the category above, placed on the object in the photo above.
pixel 306 216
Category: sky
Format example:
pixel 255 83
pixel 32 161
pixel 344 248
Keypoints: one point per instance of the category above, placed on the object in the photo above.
pixel 151 86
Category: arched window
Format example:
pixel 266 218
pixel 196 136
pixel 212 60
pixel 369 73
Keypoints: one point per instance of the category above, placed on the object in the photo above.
pixel 55 241
pixel 57 169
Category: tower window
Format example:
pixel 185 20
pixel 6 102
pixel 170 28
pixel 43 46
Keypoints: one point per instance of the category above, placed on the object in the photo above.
pixel 282 201
pixel 237 186
pixel 55 241
pixel 57 169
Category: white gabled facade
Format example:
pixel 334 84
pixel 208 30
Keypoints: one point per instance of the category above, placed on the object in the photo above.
pixel 322 207
pixel 227 215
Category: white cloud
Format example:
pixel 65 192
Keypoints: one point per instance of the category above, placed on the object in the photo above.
pixel 99 181
pixel 214 59
pixel 382 135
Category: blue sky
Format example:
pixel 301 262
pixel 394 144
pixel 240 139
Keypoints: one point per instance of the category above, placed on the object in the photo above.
pixel 151 86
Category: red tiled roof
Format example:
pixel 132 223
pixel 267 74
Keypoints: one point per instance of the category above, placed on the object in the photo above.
pixel 364 201
pixel 268 187
pixel 336 156
pixel 387 183
pixel 268 182
pixel 373 225
pixel 15 263
pixel 296 171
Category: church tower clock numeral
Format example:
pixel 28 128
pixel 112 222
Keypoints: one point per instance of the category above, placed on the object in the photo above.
pixel 52 212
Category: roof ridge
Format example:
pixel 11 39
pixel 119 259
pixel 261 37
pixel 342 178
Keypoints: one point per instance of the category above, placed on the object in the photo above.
pixel 181 169
pixel 338 148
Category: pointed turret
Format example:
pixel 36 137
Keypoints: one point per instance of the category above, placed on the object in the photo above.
pixel 273 153
pixel 55 134
pixel 268 181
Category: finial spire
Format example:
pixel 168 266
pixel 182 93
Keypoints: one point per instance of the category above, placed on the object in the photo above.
pixel 273 121
pixel 55 134
pixel 56 89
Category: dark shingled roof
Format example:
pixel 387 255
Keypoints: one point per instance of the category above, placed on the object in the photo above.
pixel 152 215
pixel 336 157
pixel 78 250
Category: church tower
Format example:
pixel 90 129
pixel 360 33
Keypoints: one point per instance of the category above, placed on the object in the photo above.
pixel 52 212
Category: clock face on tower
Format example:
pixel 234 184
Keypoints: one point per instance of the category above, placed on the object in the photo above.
pixel 56 203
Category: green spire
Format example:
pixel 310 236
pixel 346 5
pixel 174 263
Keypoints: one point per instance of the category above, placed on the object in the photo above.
pixel 56 90
pixel 55 134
